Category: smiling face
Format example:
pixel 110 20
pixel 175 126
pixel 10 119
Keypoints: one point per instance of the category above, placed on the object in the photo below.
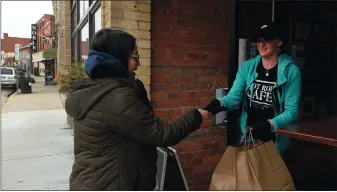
pixel 133 62
pixel 268 48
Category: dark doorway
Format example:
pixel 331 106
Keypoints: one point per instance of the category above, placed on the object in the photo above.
pixel 309 36
pixel 309 31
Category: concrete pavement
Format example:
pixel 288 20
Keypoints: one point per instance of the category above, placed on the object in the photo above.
pixel 37 146
pixel 41 98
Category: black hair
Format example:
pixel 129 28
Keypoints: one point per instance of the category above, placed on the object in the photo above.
pixel 117 43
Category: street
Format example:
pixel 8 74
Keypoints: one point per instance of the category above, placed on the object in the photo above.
pixel 4 94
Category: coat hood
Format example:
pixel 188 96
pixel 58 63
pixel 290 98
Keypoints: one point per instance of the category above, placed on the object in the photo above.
pixel 100 64
pixel 106 73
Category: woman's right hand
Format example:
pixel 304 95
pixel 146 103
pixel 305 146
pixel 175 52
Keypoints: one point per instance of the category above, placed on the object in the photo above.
pixel 205 114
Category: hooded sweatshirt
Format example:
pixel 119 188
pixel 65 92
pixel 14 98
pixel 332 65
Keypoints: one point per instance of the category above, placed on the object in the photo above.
pixel 286 94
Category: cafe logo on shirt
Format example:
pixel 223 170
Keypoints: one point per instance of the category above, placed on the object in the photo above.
pixel 261 96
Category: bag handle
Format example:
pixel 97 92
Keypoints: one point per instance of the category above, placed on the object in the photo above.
pixel 249 133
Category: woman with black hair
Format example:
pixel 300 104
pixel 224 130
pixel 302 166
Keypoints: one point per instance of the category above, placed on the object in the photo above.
pixel 115 130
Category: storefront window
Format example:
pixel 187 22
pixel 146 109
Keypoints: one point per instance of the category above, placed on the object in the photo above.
pixel 84 42
pixel 91 1
pixel 98 20
pixel 84 6
pixel 85 21
pixel 73 20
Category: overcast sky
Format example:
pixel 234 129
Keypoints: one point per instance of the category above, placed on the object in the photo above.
pixel 17 16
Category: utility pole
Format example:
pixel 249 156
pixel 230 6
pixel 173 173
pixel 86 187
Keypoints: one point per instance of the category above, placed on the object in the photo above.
pixel 30 59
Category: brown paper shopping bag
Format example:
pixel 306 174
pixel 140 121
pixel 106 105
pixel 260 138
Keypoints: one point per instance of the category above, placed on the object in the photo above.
pixel 224 176
pixel 254 166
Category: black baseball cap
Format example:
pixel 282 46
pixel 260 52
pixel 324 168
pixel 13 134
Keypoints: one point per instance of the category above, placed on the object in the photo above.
pixel 269 31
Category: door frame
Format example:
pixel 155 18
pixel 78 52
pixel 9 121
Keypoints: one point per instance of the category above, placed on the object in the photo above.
pixel 233 43
pixel 233 130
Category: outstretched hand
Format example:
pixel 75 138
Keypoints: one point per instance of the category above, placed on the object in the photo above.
pixel 214 106
pixel 205 114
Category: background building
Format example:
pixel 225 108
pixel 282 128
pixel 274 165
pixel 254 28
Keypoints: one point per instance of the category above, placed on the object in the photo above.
pixel 25 54
pixel 45 56
pixel 8 47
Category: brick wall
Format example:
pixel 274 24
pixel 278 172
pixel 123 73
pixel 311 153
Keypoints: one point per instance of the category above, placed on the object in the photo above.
pixel 44 25
pixel 23 52
pixel 8 43
pixel 189 61
pixel 8 46
pixel 133 17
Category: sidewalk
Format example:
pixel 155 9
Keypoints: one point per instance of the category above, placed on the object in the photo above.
pixel 41 98
pixel 37 146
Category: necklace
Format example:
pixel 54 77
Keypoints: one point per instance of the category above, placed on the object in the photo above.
pixel 267 72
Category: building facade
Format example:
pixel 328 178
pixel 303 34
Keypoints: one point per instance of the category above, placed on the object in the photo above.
pixel 45 32
pixel 85 21
pixel 183 47
pixel 25 54
pixel 8 48
pixel 189 48
pixel 44 59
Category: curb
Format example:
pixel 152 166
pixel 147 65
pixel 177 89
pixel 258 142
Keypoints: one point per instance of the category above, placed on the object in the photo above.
pixel 11 95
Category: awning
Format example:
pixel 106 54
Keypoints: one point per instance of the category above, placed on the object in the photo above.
pixel 45 55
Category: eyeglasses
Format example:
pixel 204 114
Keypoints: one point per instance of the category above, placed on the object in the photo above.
pixel 136 57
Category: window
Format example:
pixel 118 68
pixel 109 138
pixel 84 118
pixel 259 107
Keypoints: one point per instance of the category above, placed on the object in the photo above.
pixel 91 1
pixel 7 71
pixel 84 42
pixel 84 6
pixel 73 20
pixel 98 20
pixel 85 20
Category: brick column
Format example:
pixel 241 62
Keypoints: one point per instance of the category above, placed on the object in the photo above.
pixel 62 21
pixel 67 41
pixel 67 33
pixel 59 23
pixel 134 18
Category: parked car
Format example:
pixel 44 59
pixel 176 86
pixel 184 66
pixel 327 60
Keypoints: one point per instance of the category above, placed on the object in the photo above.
pixel 8 77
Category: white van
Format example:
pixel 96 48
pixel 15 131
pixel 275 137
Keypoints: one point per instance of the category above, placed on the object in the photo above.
pixel 8 77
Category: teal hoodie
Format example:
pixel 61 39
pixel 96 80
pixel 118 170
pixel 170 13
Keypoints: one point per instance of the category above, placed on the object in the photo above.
pixel 286 94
